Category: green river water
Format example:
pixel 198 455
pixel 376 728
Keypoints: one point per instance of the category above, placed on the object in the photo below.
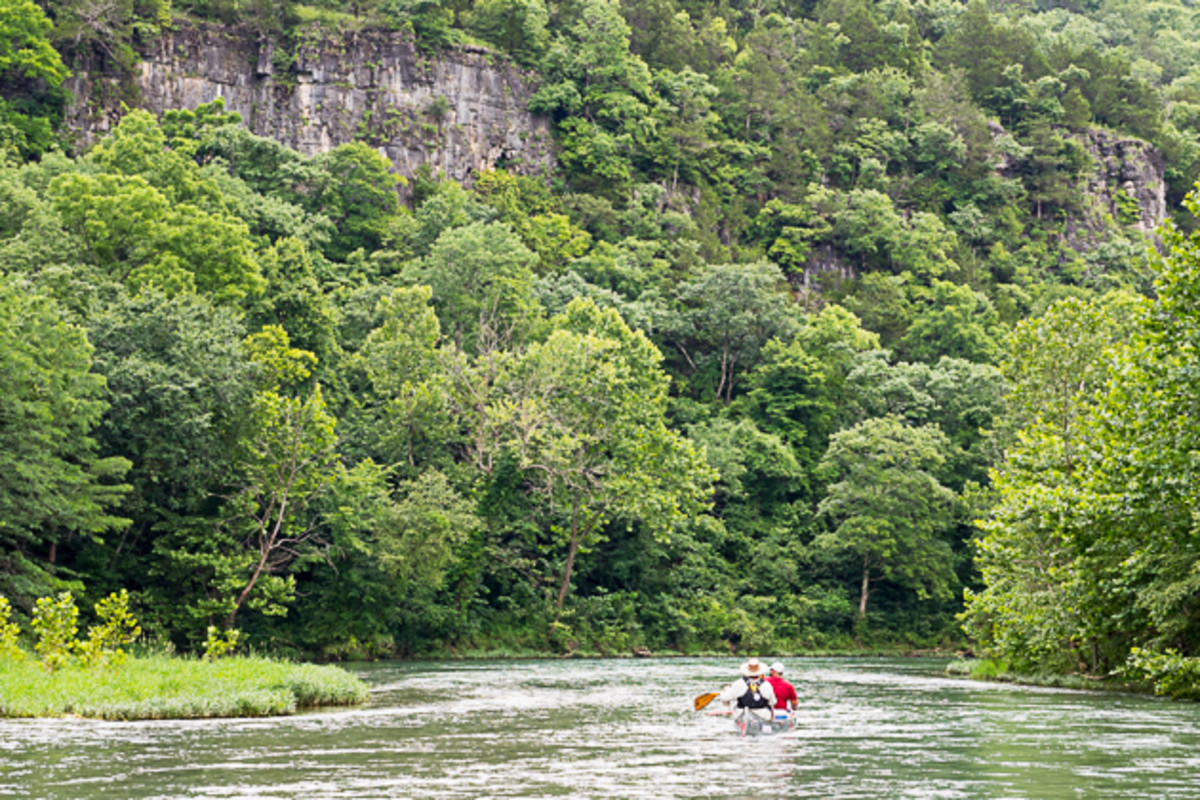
pixel 625 729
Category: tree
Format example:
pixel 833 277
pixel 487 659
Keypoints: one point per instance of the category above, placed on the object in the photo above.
pixel 412 421
pixel 600 94
pixel 31 73
pixel 356 189
pixel 1043 550
pixel 110 26
pixel 25 52
pixel 482 279
pixel 430 21
pixel 1057 360
pixel 886 507
pixel 729 313
pixel 178 385
pixel 53 483
pixel 882 303
pixel 584 413
pixel 516 26
pixel 415 537
pixel 137 237
pixel 284 463
pixel 965 400
pixel 759 478
pixel 287 461
pixel 956 321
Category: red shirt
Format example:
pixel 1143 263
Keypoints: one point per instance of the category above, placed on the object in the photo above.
pixel 784 692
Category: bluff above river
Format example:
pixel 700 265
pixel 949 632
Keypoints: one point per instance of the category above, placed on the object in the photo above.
pixel 463 110
pixel 466 109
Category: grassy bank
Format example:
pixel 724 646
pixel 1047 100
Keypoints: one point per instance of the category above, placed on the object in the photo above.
pixel 989 670
pixel 161 687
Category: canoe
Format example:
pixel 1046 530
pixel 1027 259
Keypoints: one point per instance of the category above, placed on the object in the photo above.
pixel 748 724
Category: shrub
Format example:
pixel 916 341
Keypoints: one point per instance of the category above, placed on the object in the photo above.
pixel 117 628
pixel 8 634
pixel 54 624
pixel 1171 674
pixel 220 643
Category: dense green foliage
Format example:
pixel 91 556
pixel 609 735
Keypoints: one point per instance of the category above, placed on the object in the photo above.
pixel 1088 558
pixel 734 376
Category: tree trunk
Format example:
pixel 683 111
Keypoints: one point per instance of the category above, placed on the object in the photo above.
pixel 866 588
pixel 262 562
pixel 566 581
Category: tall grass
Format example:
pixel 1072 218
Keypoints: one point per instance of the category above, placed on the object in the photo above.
pixel 163 687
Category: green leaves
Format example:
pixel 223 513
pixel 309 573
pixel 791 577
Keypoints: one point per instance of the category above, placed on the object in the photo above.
pixel 52 481
pixel 481 276
pixel 134 234
pixel 31 73
pixel 728 314
pixel 418 535
pixel 24 48
pixel 286 461
pixel 583 412
pixel 887 507
pixel 1088 550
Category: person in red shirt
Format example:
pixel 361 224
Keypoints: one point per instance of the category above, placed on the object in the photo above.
pixel 785 693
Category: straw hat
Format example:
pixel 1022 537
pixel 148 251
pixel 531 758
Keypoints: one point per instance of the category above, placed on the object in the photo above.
pixel 753 667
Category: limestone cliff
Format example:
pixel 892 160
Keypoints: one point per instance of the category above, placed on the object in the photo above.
pixel 460 111
pixel 1126 185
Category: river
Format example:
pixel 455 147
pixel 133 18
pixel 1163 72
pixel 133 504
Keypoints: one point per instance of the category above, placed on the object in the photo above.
pixel 868 728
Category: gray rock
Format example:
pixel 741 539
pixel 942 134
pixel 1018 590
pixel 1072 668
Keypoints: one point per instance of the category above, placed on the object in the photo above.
pixel 462 111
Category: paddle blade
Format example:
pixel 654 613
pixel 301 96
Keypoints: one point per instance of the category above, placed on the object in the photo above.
pixel 704 699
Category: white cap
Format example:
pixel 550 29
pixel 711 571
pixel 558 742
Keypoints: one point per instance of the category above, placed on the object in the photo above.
pixel 777 667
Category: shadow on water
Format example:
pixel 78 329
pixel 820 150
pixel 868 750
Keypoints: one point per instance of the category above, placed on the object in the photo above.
pixel 625 729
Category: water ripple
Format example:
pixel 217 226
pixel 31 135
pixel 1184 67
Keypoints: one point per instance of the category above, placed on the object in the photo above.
pixel 625 729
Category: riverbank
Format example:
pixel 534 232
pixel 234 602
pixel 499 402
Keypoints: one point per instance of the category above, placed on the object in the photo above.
pixel 516 654
pixel 996 672
pixel 164 687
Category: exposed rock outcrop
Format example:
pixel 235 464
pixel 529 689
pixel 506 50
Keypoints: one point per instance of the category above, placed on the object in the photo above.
pixel 461 111
pixel 1127 181
pixel 1125 185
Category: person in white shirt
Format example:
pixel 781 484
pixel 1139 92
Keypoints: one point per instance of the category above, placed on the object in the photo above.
pixel 750 694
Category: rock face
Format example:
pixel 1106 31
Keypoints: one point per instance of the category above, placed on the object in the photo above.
pixel 1127 181
pixel 1125 186
pixel 461 111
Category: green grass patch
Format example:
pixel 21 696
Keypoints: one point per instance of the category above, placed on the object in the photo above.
pixel 162 687
pixel 328 17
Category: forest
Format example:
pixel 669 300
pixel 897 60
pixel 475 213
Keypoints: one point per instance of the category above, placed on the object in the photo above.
pixel 820 335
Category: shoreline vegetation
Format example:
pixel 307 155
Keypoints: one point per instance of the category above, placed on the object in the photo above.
pixel 514 654
pixel 171 687
pixel 993 671
pixel 95 676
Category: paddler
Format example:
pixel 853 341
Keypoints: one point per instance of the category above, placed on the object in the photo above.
pixel 751 694
pixel 785 693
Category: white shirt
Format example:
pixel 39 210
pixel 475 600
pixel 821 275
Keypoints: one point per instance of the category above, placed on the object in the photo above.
pixel 730 694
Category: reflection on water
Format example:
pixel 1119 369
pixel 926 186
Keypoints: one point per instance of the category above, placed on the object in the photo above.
pixel 625 729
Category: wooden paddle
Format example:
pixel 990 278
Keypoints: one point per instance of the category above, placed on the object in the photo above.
pixel 704 699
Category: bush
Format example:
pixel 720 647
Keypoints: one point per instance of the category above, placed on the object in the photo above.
pixel 54 624
pixel 9 650
pixel 1171 674
pixel 220 643
pixel 987 669
pixel 118 628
